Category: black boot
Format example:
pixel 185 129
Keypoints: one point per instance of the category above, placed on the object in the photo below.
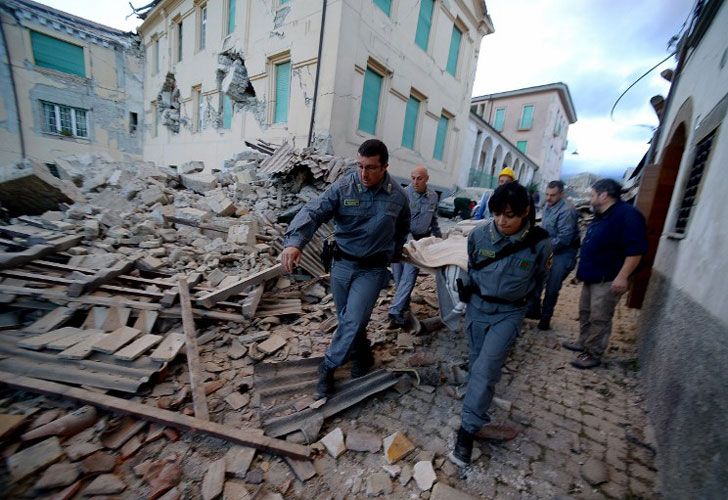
pixel 544 324
pixel 460 456
pixel 363 361
pixel 325 385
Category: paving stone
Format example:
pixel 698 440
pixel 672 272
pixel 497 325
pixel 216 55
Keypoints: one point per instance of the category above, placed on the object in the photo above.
pixel 595 472
pixel 397 446
pixel 424 475
pixel 105 484
pixel 441 491
pixel 357 440
pixel 334 442
pixel 379 484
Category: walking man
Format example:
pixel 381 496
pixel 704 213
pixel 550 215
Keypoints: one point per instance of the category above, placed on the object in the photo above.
pixel 614 244
pixel 506 255
pixel 423 223
pixel 372 219
pixel 562 223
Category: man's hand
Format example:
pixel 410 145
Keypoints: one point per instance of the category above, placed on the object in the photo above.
pixel 290 257
pixel 619 285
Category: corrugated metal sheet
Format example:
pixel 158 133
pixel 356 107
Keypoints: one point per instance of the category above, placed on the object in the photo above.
pixel 278 162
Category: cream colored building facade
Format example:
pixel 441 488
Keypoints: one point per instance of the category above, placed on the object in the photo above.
pixel 386 69
pixel 536 120
pixel 69 86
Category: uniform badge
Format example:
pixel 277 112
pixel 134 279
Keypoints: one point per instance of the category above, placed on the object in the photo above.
pixel 389 187
pixel 484 252
pixel 351 202
pixel 524 264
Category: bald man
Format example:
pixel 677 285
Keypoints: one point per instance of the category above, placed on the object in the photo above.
pixel 423 223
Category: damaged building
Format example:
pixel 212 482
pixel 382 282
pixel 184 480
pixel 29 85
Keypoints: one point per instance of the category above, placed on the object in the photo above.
pixel 70 86
pixel 330 74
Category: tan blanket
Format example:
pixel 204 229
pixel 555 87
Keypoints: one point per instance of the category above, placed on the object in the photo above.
pixel 435 252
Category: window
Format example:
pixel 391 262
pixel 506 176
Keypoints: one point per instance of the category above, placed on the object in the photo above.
pixel 452 58
pixel 692 187
pixel 155 119
pixel 385 5
pixel 133 122
pixel 155 61
pixel 283 2
pixel 499 120
pixel 231 16
pixel 526 117
pixel 410 122
pixel 198 112
pixel 369 111
pixel 203 28
pixel 49 52
pixel 282 91
pixel 442 125
pixel 179 41
pixel 227 112
pixel 522 146
pixel 64 120
pixel 424 23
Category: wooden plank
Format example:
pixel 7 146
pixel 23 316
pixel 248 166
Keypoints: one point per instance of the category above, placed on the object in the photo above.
pixel 169 348
pixel 117 317
pixel 145 321
pixel 250 304
pixel 9 423
pixel 243 437
pixel 116 340
pixel 173 312
pixel 83 348
pixel 39 342
pixel 78 288
pixel 96 317
pixel 51 321
pixel 210 299
pixel 138 347
pixel 34 458
pixel 71 340
pixel 169 297
pixel 15 259
pixel 197 382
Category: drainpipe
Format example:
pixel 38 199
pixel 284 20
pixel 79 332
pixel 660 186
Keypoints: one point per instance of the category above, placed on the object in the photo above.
pixel 318 72
pixel 15 93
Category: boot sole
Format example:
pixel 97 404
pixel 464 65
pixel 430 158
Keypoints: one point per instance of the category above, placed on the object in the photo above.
pixel 460 463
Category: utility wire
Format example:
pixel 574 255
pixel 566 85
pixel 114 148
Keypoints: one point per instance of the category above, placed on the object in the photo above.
pixel 611 112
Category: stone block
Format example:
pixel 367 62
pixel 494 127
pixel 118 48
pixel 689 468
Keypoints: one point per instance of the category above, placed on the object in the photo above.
pixel 192 214
pixel 28 188
pixel 191 167
pixel 199 183
pixel 424 475
pixel 152 195
pixel 379 484
pixel 397 446
pixel 357 440
pixel 219 203
pixel 334 442
pixel 241 234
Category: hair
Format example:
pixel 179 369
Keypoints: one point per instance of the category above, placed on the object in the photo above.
pixel 374 147
pixel 609 186
pixel 556 184
pixel 512 195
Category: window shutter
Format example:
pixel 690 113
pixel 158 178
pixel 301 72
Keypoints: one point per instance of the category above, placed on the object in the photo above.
pixel 53 53
pixel 370 102
pixel 283 82
pixel 452 59
pixel 231 16
pixel 385 5
pixel 522 146
pixel 500 118
pixel 227 112
pixel 527 117
pixel 439 151
pixel 424 23
pixel 410 123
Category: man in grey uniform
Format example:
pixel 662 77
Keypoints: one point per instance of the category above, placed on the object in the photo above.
pixel 372 220
pixel 562 223
pixel 506 256
pixel 423 223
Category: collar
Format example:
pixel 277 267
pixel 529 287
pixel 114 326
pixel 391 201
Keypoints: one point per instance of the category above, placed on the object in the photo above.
pixel 496 236
pixel 609 211
pixel 556 205
pixel 411 189
pixel 386 185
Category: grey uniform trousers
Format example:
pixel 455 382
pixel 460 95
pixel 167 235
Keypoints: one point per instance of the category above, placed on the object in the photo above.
pixel 405 277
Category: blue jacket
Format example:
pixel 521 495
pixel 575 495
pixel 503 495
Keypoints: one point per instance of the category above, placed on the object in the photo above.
pixel 614 235
pixel 423 207
pixel 562 224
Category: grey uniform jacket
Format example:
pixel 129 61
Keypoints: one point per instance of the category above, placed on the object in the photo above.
pixel 562 224
pixel 369 221
pixel 423 207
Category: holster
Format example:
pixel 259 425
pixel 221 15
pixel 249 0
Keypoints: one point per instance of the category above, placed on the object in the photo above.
pixel 327 255
pixel 464 291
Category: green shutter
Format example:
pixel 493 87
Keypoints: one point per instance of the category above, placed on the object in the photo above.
pixel 231 16
pixel 410 122
pixel 439 151
pixel 522 146
pixel 49 52
pixel 370 102
pixel 385 5
pixel 424 23
pixel 500 119
pixel 527 117
pixel 227 112
pixel 283 85
pixel 452 58
pixel 283 2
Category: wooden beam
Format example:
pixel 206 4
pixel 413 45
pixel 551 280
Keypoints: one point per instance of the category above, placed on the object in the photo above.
pixel 14 259
pixel 212 298
pixel 164 417
pixel 192 223
pixel 78 288
pixel 197 381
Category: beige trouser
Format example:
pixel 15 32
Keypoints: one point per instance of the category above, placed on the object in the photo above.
pixel 596 308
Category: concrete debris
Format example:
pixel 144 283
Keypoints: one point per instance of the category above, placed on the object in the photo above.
pixel 396 447
pixel 57 476
pixel 28 187
pixel 357 440
pixel 105 484
pixel 334 442
pixel 168 104
pixel 424 475
pixel 34 458
pixel 379 484
pixel 442 491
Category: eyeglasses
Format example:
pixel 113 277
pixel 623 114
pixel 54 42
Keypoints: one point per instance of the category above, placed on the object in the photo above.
pixel 369 168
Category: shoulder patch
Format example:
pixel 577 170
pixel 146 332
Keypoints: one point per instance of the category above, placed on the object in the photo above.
pixel 351 202
pixel 484 252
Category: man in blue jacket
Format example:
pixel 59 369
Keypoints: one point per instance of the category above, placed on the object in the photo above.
pixel 372 219
pixel 612 249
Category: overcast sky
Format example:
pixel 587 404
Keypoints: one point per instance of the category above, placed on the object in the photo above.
pixel 597 47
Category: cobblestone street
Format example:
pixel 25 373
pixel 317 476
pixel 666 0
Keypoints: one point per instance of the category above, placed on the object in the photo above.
pixel 582 432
